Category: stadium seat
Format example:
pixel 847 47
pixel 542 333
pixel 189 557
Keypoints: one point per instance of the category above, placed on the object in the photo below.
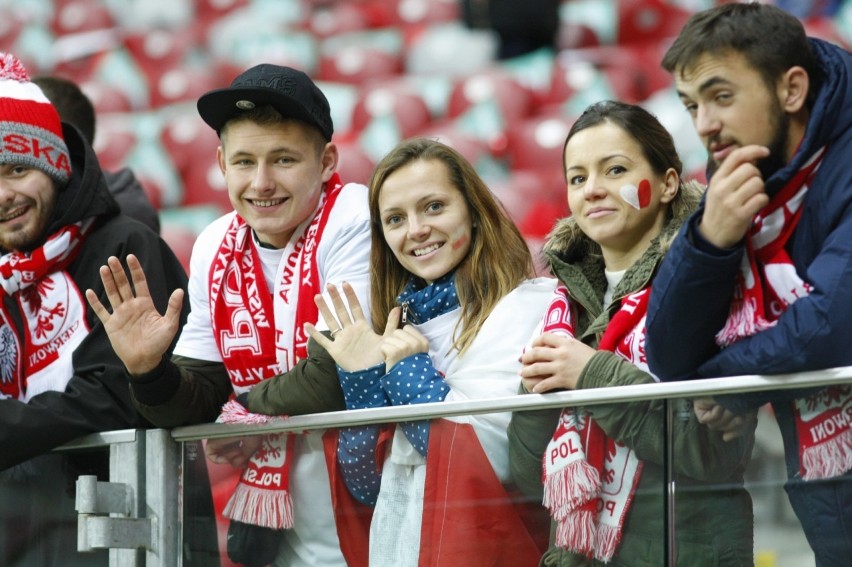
pixel 358 57
pixel 536 142
pixel 488 104
pixel 180 240
pixel 79 16
pixel 649 21
pixel 394 99
pixel 354 165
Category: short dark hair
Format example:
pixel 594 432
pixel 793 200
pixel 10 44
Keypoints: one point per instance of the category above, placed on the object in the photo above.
pixel 770 39
pixel 72 104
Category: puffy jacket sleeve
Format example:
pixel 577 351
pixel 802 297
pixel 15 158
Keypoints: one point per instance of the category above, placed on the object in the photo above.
pixel 699 453
pixel 688 305
pixel 186 391
pixel 812 333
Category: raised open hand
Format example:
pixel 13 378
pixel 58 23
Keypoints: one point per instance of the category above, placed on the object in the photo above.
pixel 138 333
pixel 355 345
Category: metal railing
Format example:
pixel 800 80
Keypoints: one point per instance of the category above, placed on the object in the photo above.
pixel 619 394
pixel 147 463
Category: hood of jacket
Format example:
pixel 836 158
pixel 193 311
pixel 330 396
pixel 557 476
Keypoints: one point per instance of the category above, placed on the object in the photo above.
pixel 577 260
pixel 831 114
pixel 86 194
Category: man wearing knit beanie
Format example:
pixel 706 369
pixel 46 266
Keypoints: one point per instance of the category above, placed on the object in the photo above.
pixel 59 377
pixel 29 125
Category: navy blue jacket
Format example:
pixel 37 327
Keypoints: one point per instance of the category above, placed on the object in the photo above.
pixel 693 289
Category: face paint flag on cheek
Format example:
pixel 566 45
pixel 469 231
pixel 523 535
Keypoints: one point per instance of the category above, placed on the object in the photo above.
pixel 637 197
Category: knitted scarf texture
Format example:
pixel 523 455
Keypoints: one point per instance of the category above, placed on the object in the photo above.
pixel 256 342
pixel 54 315
pixel 766 286
pixel 589 479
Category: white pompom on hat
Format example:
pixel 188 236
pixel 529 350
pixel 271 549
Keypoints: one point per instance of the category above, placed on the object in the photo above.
pixel 30 128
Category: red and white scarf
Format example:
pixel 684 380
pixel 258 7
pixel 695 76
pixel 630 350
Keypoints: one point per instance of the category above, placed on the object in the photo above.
pixel 589 479
pixel 766 285
pixel 260 333
pixel 54 314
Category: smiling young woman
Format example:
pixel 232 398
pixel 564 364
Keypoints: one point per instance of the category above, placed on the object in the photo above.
pixel 452 305
pixel 627 202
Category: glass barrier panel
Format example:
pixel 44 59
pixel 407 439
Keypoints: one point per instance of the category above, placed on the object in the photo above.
pixel 37 510
pixel 479 491
pixel 778 537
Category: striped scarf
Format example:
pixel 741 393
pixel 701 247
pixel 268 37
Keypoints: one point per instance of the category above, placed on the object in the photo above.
pixel 260 334
pixel 54 315
pixel 589 479
pixel 766 286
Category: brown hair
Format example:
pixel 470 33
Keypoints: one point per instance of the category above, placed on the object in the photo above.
pixel 266 115
pixel 498 259
pixel 657 145
pixel 770 39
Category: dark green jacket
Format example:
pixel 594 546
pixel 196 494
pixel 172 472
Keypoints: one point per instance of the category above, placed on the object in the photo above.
pixel 186 391
pixel 712 509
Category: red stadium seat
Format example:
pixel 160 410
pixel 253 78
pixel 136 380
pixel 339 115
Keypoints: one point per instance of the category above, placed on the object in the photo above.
pixel 536 143
pixel 356 65
pixel 354 165
pixel 114 140
pixel 649 21
pixel 192 146
pixel 106 98
pixel 180 240
pixel 488 104
pixel 78 16
pixel 394 99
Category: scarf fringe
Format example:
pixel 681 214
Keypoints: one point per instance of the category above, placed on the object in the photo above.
pixel 569 487
pixel 829 459
pixel 608 539
pixel 576 532
pixel 235 412
pixel 260 507
pixel 743 321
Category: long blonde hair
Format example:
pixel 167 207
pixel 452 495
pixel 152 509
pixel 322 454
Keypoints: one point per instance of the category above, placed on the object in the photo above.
pixel 498 259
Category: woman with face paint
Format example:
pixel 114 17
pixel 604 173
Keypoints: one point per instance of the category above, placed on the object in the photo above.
pixel 452 305
pixel 599 469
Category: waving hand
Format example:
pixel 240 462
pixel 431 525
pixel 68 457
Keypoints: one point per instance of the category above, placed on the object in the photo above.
pixel 138 333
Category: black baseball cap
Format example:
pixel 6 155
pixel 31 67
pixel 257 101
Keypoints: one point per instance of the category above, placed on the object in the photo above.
pixel 290 91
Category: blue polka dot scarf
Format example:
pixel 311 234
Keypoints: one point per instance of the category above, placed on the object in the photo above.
pixel 426 303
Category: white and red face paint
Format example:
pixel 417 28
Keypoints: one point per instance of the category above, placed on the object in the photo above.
pixel 637 197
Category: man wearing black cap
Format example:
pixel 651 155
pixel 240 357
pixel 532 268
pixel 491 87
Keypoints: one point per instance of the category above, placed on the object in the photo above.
pixel 255 272
pixel 59 378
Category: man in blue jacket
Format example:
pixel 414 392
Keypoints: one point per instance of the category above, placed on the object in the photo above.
pixel 759 281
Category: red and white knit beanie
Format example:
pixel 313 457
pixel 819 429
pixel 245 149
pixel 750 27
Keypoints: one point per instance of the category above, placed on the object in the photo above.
pixel 30 129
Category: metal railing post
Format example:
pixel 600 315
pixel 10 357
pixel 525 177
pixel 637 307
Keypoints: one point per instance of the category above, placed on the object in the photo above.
pixel 162 474
pixel 127 465
pixel 108 513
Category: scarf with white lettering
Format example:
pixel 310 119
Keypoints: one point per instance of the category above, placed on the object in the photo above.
pixel 260 333
pixel 766 285
pixel 589 479
pixel 54 314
